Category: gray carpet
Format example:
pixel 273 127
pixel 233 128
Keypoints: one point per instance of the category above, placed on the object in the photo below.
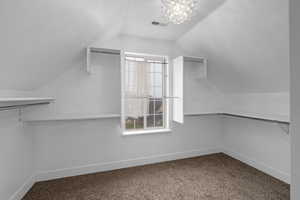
pixel 213 177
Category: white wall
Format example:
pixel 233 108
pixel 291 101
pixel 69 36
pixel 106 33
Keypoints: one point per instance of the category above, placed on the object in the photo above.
pixel 78 93
pixel 16 93
pixel 88 144
pixel 16 157
pixel 295 97
pixel 69 148
pixel 200 95
pixel 264 145
pixel 274 106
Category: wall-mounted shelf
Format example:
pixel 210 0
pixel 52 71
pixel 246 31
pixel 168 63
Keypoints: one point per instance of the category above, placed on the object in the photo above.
pixel 72 117
pixel 194 59
pixel 200 114
pixel 15 103
pixel 90 50
pixel 268 119
pixel 283 120
pixel 199 62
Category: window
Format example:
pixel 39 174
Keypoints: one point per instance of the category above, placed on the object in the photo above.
pixel 145 87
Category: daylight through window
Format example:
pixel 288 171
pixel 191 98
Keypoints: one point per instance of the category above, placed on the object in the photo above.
pixel 145 85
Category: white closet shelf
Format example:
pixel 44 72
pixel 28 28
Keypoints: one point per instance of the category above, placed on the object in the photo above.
pixel 90 50
pixel 77 117
pixel 72 117
pixel 263 117
pixel 104 50
pixel 202 113
pixel 19 102
pixel 194 59
pixel 260 116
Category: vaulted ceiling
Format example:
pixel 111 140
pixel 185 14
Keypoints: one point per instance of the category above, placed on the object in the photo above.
pixel 247 45
pixel 246 41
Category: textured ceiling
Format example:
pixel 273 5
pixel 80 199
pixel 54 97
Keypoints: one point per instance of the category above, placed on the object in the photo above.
pixel 246 41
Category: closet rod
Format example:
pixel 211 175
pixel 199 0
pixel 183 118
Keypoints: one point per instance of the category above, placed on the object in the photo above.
pixel 194 59
pixel 239 116
pixel 105 51
pixel 21 106
pixel 255 118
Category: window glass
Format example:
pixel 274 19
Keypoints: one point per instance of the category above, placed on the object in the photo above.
pixel 144 103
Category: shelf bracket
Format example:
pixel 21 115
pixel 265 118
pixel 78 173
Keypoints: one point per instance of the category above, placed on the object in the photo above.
pixel 20 114
pixel 285 127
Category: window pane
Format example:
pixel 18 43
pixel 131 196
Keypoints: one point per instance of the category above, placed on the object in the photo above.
pixel 129 123
pixel 143 102
pixel 158 107
pixel 157 67
pixel 150 121
pixel 134 108
pixel 157 79
pixel 151 68
pixel 131 78
pixel 131 66
pixel 150 103
pixel 159 120
pixel 134 123
pixel 157 92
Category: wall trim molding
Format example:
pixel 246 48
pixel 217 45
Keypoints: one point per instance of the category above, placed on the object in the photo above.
pixel 27 185
pixel 101 167
pixel 283 176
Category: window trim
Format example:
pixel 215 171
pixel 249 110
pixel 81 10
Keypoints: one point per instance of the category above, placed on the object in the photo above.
pixel 147 131
pixel 166 92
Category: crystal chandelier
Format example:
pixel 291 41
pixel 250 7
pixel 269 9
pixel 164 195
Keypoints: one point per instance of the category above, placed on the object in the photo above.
pixel 179 11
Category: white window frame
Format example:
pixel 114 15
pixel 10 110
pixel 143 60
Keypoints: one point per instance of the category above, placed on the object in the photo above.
pixel 166 100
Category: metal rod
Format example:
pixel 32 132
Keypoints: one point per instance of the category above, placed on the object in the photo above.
pixel 163 63
pixel 256 118
pixel 170 97
pixel 195 61
pixel 21 106
pixel 239 116
pixel 105 52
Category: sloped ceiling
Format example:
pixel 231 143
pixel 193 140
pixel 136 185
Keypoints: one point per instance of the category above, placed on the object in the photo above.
pixel 40 39
pixel 247 45
pixel 246 41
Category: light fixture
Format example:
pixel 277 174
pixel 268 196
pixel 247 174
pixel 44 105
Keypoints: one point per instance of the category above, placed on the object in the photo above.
pixel 179 11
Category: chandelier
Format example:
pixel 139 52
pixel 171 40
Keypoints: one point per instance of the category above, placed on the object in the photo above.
pixel 179 11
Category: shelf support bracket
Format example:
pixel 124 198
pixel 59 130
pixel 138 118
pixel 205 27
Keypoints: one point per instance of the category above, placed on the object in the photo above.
pixel 20 114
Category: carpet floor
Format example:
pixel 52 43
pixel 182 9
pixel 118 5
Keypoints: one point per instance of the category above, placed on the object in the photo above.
pixel 212 177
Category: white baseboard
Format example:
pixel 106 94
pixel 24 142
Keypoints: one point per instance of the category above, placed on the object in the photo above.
pixel 100 167
pixel 20 193
pixel 283 176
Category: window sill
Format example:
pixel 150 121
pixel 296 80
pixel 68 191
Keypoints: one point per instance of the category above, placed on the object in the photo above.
pixel 142 132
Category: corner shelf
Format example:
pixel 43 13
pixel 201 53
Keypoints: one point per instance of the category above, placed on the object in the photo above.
pixel 90 50
pixel 18 102
pixel 200 60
